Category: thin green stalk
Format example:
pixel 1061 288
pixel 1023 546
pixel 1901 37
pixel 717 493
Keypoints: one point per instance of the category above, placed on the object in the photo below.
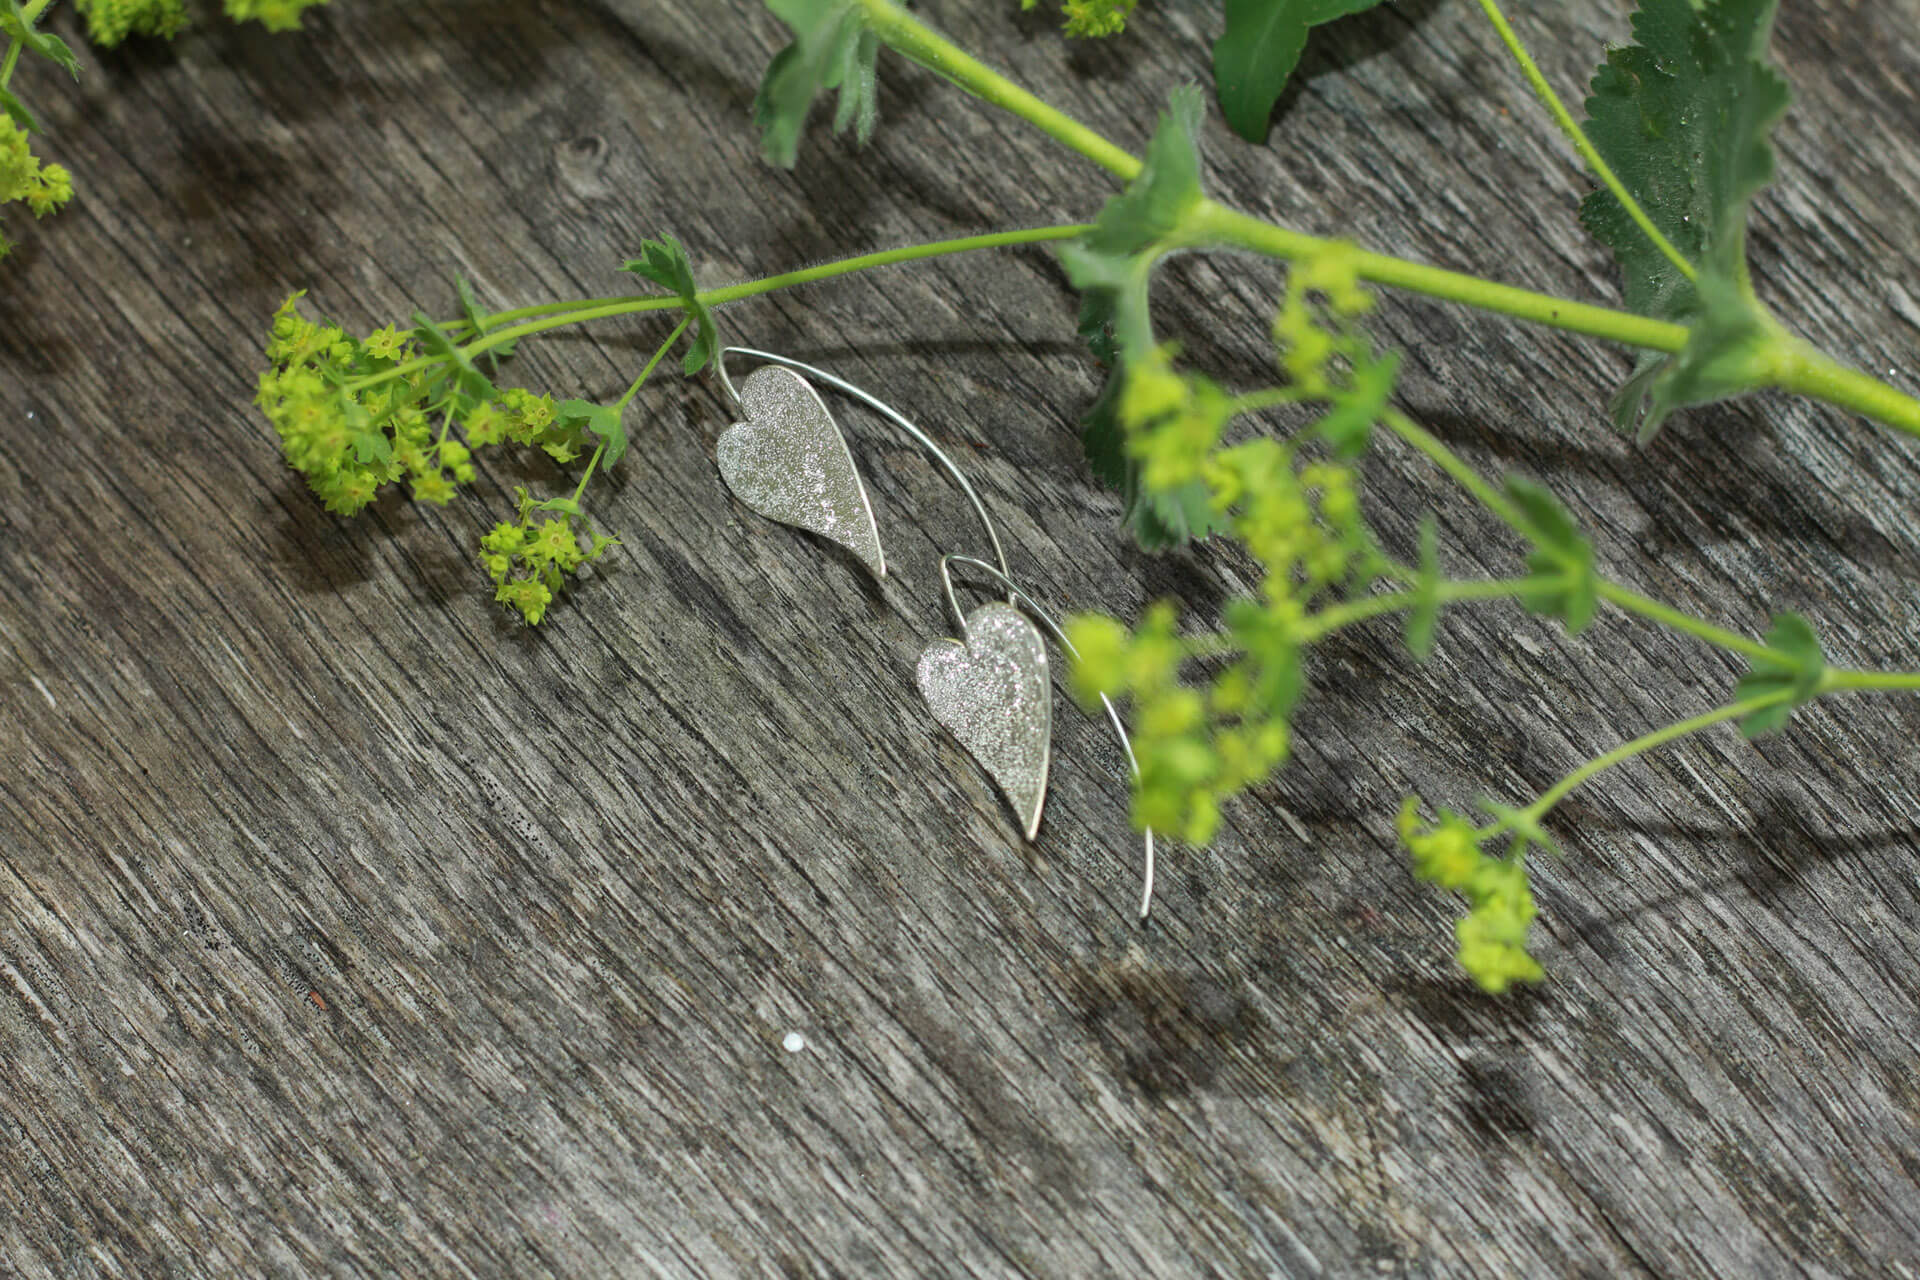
pixel 902 33
pixel 29 12
pixel 652 364
pixel 1810 372
pixel 557 315
pixel 1229 226
pixel 1836 681
pixel 1578 137
pixel 621 404
pixel 1632 601
pixel 1646 742
pixel 1665 615
pixel 1436 452
pixel 1328 621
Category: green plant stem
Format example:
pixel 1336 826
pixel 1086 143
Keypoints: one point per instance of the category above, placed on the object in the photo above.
pixel 1231 227
pixel 1581 143
pixel 1808 371
pixel 1802 370
pixel 1628 750
pixel 14 47
pixel 1328 621
pixel 907 36
pixel 1631 601
pixel 652 364
pixel 1841 680
pixel 540 319
pixel 621 404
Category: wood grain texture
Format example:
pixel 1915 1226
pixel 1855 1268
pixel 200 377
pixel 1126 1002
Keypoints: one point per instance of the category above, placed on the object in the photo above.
pixel 348 929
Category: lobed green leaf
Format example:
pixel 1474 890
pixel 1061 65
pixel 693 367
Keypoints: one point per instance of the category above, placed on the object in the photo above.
pixel 665 263
pixel 1560 552
pixel 1683 116
pixel 1796 671
pixel 832 49
pixel 602 421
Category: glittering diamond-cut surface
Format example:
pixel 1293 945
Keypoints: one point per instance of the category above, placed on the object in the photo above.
pixel 992 692
pixel 789 462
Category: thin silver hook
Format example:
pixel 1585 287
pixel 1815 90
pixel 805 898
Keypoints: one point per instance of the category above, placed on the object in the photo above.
pixel 886 411
pixel 1053 629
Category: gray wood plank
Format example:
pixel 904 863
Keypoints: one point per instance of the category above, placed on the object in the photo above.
pixel 348 929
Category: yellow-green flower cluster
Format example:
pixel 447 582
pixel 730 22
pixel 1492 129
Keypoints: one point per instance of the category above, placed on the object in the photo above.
pixel 43 188
pixel 111 21
pixel 530 559
pixel 1093 17
pixel 274 15
pixel 1195 747
pixel 1493 934
pixel 1172 420
pixel 353 414
pixel 1315 321
pixel 1301 519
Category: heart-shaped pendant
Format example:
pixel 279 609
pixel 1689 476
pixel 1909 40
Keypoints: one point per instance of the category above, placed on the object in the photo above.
pixel 992 692
pixel 790 463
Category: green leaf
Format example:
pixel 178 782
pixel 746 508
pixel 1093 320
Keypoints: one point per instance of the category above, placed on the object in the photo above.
pixel 1425 614
pixel 1158 521
pixel 1683 116
pixel 1112 266
pixel 18 26
pixel 603 421
pixel 370 443
pixel 1796 671
pixel 1524 829
pixel 565 506
pixel 1155 205
pixel 832 49
pixel 1730 350
pixel 665 263
pixel 17 111
pixel 1348 425
pixel 1559 552
pixel 1257 53
pixel 469 384
pixel 470 312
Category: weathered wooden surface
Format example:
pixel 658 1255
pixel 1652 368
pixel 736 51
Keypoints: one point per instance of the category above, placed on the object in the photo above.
pixel 348 929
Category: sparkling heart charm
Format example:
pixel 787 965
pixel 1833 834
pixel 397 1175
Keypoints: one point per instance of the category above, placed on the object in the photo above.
pixel 790 463
pixel 993 693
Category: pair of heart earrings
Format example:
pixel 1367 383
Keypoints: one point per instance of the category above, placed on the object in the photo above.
pixel 992 688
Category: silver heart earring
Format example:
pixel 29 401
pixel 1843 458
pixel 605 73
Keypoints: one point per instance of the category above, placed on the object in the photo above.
pixel 789 461
pixel 993 691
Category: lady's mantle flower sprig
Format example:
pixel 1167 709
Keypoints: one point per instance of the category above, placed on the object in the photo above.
pixel 41 187
pixel 1492 935
pixel 1294 503
pixel 530 559
pixel 355 414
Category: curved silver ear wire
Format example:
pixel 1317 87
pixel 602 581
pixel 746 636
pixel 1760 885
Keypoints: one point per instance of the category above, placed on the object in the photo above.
pixel 886 411
pixel 1053 628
